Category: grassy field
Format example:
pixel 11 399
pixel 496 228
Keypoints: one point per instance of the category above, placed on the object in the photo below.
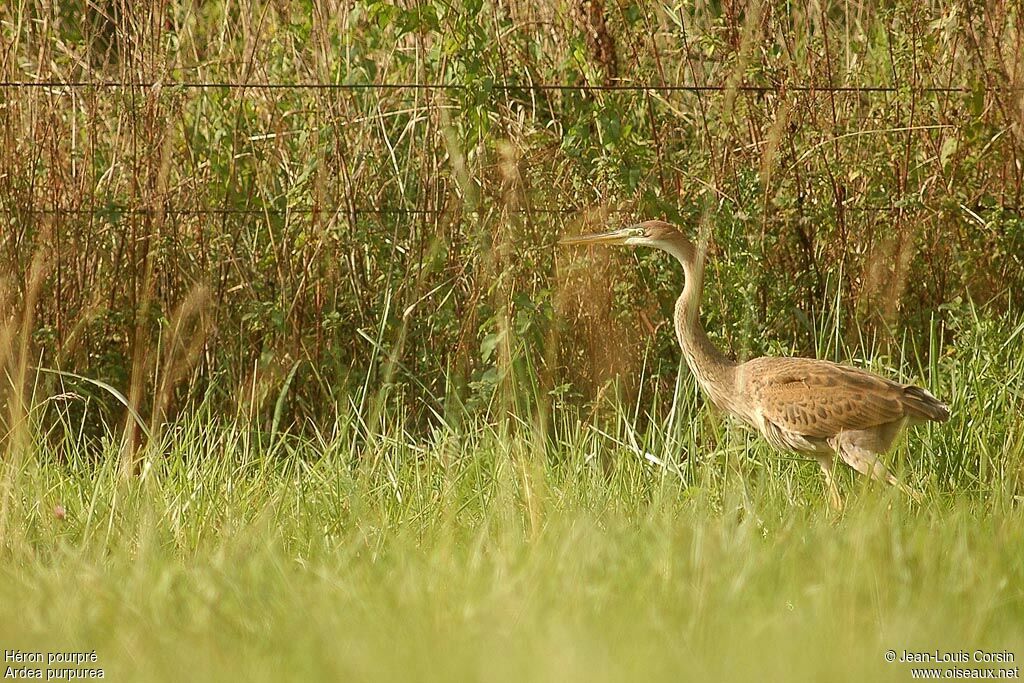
pixel 511 551
pixel 295 384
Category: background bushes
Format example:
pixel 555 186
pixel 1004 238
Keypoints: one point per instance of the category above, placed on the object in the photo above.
pixel 281 208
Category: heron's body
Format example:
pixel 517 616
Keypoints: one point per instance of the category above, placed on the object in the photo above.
pixel 800 404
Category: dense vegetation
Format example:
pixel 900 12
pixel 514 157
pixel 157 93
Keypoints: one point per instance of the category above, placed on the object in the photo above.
pixel 217 236
pixel 296 383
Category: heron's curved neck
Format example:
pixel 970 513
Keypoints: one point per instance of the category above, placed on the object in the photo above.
pixel 715 372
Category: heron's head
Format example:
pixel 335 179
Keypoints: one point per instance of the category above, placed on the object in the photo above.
pixel 658 234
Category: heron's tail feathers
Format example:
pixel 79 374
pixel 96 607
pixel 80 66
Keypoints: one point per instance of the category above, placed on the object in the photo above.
pixel 920 403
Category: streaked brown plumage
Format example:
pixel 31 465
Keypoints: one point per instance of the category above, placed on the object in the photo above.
pixel 800 404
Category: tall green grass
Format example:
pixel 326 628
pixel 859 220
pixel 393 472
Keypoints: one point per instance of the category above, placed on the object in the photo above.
pixel 631 545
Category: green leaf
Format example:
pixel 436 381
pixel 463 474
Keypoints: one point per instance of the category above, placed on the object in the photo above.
pixel 279 404
pixel 488 345
pixel 109 389
pixel 949 147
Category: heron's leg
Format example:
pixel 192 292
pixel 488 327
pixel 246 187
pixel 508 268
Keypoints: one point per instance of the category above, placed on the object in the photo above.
pixel 826 462
pixel 868 464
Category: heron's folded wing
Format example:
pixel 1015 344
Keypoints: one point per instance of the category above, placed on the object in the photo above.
pixel 820 399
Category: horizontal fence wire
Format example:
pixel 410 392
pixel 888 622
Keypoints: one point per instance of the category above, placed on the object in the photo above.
pixel 611 87
pixel 58 211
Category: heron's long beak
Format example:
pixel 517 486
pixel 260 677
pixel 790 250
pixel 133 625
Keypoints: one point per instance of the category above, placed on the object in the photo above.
pixel 613 237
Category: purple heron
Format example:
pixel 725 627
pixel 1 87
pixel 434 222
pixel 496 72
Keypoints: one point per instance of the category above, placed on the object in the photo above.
pixel 799 404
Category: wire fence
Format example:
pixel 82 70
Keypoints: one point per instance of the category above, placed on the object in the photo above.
pixel 610 87
pixel 777 88
pixel 307 211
